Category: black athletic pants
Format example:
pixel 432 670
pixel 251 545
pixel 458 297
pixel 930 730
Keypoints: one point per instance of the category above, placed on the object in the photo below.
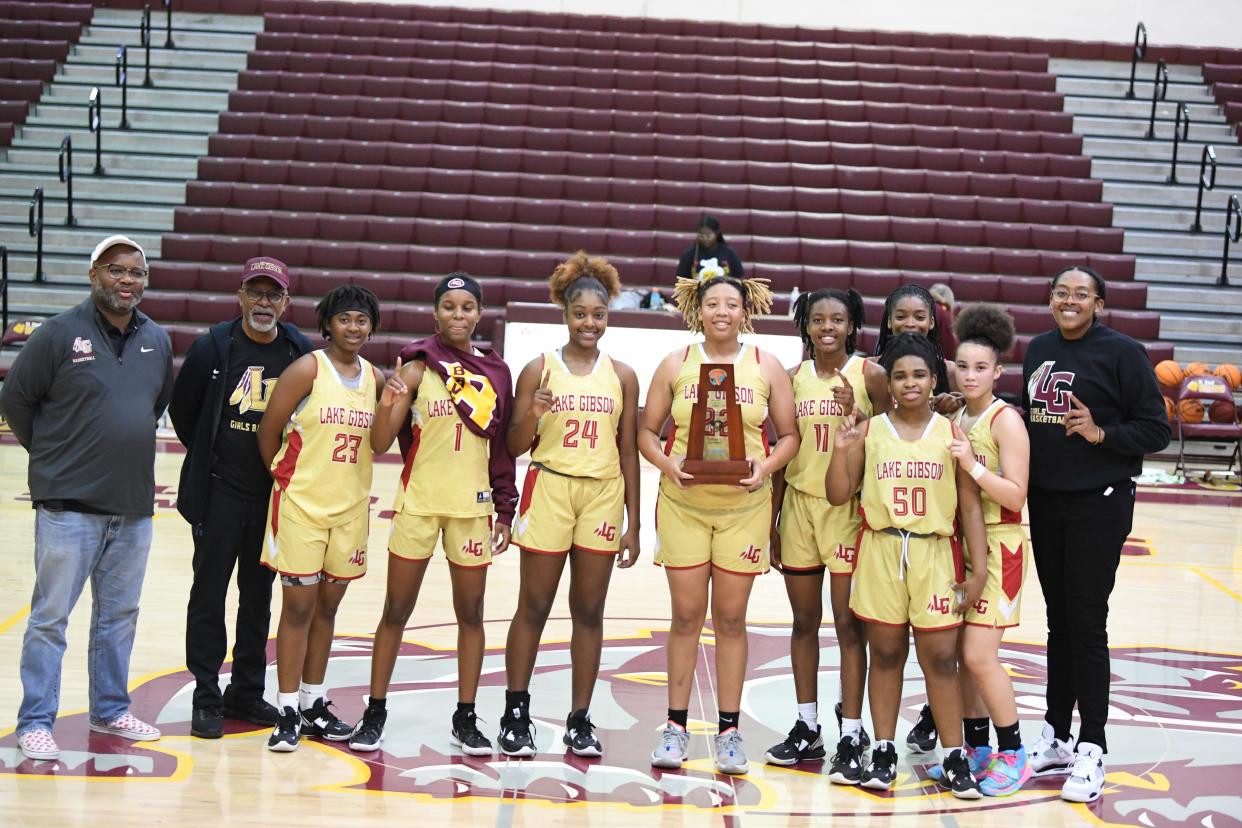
pixel 231 534
pixel 1077 538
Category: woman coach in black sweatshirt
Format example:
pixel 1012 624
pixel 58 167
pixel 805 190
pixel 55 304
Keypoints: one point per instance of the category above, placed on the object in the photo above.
pixel 1093 411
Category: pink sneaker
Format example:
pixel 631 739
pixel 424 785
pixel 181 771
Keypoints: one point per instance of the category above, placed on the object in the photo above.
pixel 38 744
pixel 128 727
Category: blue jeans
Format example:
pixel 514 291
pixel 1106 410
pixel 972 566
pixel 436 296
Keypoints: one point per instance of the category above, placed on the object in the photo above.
pixel 69 548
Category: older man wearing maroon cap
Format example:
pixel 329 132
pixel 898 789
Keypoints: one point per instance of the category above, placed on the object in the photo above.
pixel 218 399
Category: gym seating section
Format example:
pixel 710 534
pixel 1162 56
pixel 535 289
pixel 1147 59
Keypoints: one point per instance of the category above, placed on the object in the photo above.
pixel 34 38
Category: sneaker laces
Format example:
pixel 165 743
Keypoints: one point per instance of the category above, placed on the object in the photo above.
pixel 584 727
pixel 1084 765
pixel 993 770
pixel 672 737
pixel 731 740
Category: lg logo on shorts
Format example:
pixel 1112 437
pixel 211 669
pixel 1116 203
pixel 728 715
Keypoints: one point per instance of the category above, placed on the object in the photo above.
pixel 752 553
pixel 938 604
pixel 471 547
pixel 845 553
pixel 607 532
pixel 359 558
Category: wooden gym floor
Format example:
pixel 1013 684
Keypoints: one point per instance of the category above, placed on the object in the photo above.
pixel 1176 724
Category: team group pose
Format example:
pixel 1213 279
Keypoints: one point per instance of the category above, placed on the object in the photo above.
pixel 903 477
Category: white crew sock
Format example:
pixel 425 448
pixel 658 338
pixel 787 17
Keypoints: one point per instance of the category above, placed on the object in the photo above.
pixel 851 728
pixel 809 713
pixel 289 700
pixel 309 694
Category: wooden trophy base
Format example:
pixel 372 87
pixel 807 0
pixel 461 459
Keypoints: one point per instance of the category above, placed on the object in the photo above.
pixel 716 472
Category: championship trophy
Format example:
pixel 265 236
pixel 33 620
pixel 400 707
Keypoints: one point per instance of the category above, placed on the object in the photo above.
pixel 715 447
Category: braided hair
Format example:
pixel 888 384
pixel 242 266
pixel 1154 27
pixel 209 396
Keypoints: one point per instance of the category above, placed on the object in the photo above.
pixel 933 336
pixel 988 325
pixel 850 299
pixel 688 294
pixel 910 344
pixel 583 272
pixel 347 298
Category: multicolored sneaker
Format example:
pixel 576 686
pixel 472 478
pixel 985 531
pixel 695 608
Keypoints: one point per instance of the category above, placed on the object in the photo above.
pixel 1006 773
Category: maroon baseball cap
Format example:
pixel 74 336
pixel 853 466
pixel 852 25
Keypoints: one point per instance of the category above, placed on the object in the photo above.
pixel 273 269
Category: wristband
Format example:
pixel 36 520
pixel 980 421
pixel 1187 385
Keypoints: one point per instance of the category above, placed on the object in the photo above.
pixel 978 470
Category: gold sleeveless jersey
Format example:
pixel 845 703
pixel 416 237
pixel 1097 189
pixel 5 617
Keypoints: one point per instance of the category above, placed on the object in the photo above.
pixel 988 453
pixel 751 390
pixel 322 471
pixel 818 415
pixel 578 436
pixel 445 469
pixel 909 484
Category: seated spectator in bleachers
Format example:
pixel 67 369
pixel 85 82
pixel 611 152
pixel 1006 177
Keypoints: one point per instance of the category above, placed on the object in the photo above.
pixel 711 251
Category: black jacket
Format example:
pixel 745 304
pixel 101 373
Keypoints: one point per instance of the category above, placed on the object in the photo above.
pixel 198 402
pixel 1113 377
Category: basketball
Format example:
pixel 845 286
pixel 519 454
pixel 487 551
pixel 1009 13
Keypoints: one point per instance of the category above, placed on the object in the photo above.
pixel 1169 374
pixel 1170 410
pixel 1194 369
pixel 1223 411
pixel 1190 411
pixel 1230 373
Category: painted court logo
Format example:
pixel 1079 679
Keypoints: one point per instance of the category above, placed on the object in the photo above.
pixel 1177 713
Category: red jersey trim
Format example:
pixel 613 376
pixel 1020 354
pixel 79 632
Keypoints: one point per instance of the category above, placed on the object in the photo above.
pixel 416 438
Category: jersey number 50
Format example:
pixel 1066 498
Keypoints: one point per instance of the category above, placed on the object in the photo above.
pixel 909 501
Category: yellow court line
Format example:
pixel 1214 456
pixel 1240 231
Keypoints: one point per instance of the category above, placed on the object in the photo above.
pixel 1235 596
pixel 13 619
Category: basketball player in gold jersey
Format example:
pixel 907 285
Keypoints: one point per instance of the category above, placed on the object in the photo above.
pixel 814 536
pixel 576 411
pixel 458 474
pixel 909 571
pixel 997 454
pixel 714 534
pixel 316 438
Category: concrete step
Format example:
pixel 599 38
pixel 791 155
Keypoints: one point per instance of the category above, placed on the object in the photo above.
pixel 1190 92
pixel 1214 131
pixel 1121 108
pixel 1180 243
pixel 1184 271
pixel 114 36
pixel 74 115
pixel 43 299
pixel 1158 150
pixel 1212 355
pixel 1212 300
pixel 34 161
pixel 1201 328
pixel 183 21
pixel 1182 194
pixel 164 79
pixel 90 214
pixel 1228 176
pixel 21 183
pixel 1167 218
pixel 73 94
pixel 57 267
pixel 1178 73
pixel 130 140
pixel 85 54
pixel 64 241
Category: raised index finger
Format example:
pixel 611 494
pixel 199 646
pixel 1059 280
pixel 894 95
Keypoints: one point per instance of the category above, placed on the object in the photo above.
pixel 547 375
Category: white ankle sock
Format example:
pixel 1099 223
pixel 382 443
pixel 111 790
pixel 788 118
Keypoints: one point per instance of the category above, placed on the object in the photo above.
pixel 309 694
pixel 851 727
pixel 809 713
pixel 284 700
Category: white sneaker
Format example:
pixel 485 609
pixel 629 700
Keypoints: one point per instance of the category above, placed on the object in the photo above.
pixel 730 754
pixel 1086 779
pixel 671 752
pixel 1050 756
pixel 128 727
pixel 38 744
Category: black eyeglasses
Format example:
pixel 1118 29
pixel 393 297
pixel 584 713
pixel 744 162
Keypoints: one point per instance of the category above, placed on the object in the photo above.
pixel 138 274
pixel 272 296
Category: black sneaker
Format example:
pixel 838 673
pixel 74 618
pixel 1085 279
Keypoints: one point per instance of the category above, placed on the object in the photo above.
pixel 880 774
pixel 207 723
pixel 864 738
pixel 517 735
pixel 847 762
pixel 369 732
pixel 284 738
pixel 319 720
pixel 256 710
pixel 580 736
pixel 956 777
pixel 466 735
pixel 801 745
pixel 922 737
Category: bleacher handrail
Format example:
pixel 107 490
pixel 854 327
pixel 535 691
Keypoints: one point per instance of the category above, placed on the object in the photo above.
pixel 4 289
pixel 94 122
pixel 168 38
pixel 34 226
pixel 144 37
pixel 1181 132
pixel 1206 182
pixel 122 80
pixel 1140 51
pixel 1158 93
pixel 1233 234
pixel 64 164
